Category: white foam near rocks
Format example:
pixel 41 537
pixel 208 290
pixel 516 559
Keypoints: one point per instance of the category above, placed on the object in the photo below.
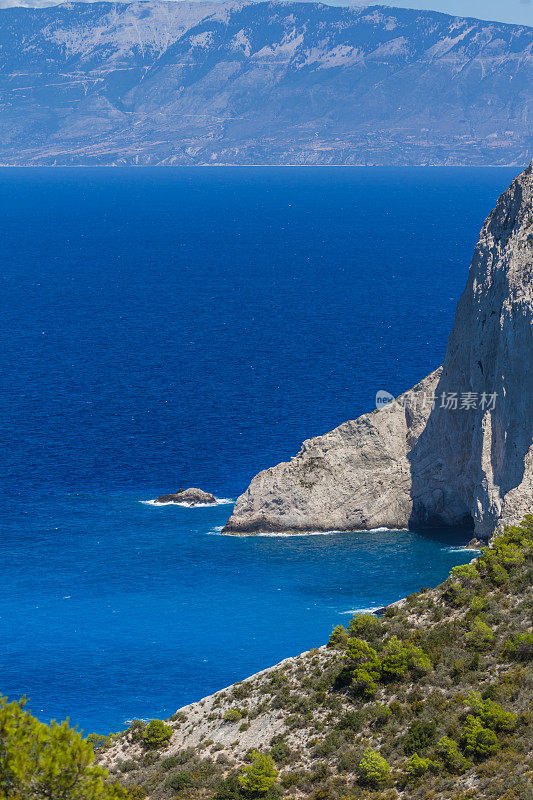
pixel 220 501
pixel 371 610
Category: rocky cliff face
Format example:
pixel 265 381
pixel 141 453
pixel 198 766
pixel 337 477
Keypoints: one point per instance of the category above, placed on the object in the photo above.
pixel 458 448
pixel 236 82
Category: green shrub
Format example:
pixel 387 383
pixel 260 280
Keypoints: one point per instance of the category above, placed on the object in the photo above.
pixel 467 574
pixel 259 776
pixel 360 654
pixel 156 734
pixel 456 594
pixel 373 769
pixel 380 714
pixel 365 626
pixel 136 730
pixel 177 759
pixel 363 684
pixel 179 781
pixel 128 766
pixel 349 760
pixel 480 637
pixel 519 647
pixel 416 766
pixel 229 789
pixel 279 749
pixel 232 715
pixel 290 779
pixel 476 740
pixel 329 745
pixel 491 714
pixel 421 734
pixel 399 658
pixel 419 663
pixel 350 720
pixel 489 563
pixel 478 604
pixel 394 663
pixel 338 637
pixel 367 667
pixel 509 555
pixel 396 709
pixel 241 690
pixel 136 792
pixel 451 757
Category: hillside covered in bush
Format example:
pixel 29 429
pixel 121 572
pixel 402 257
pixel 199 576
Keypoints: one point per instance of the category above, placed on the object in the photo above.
pixel 429 701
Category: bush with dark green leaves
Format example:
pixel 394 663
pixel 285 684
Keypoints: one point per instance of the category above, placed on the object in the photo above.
pixel 366 666
pixel 365 626
pixel 136 730
pixel 177 759
pixel 339 637
pixel 421 734
pixel 279 749
pixel 179 781
pixel 350 721
pixel 400 658
pixel 491 714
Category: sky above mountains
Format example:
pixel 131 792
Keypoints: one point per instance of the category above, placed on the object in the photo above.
pixel 518 12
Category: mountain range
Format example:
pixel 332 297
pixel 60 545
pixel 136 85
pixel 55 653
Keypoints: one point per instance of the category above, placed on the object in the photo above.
pixel 238 82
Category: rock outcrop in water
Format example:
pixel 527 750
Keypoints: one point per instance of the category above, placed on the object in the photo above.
pixel 455 450
pixel 192 497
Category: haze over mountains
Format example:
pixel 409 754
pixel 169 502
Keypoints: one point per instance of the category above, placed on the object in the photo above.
pixel 261 83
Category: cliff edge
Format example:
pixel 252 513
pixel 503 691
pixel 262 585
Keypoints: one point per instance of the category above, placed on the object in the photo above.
pixel 457 449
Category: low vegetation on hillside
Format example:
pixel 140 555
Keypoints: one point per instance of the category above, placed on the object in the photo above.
pixel 430 701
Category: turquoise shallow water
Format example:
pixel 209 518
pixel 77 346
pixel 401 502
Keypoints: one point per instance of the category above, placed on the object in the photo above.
pixel 181 327
pixel 128 610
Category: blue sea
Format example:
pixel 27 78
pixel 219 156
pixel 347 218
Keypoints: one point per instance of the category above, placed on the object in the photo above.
pixel 165 328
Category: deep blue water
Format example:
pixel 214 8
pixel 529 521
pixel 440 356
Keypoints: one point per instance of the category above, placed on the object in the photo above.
pixel 163 328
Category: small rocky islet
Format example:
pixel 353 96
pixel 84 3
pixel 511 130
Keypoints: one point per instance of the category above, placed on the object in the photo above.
pixel 191 497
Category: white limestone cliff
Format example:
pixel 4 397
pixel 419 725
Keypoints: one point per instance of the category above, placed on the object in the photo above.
pixel 413 465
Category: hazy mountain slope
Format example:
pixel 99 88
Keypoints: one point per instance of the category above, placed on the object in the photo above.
pixel 158 82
